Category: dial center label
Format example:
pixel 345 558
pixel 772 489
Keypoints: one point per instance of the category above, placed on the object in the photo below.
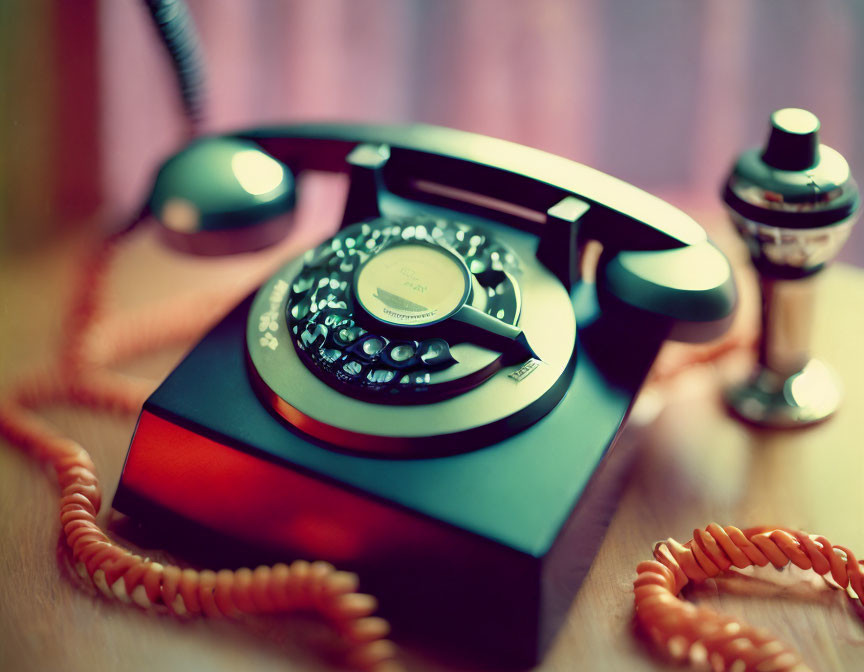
pixel 412 285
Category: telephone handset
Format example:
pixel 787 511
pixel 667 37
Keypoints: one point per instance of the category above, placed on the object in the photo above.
pixel 524 187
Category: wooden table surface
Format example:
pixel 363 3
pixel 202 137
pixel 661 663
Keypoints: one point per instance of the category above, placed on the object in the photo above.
pixel 693 465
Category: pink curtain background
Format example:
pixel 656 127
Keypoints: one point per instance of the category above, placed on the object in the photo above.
pixel 661 93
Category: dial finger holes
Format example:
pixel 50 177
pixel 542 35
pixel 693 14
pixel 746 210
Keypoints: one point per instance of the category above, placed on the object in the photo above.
pixel 399 355
pixel 347 335
pixel 303 283
pixel 372 346
pixel 313 335
pixel 300 310
pixel 402 353
pixel 334 319
pixel 416 378
pixel 352 367
pixel 435 352
pixel 380 376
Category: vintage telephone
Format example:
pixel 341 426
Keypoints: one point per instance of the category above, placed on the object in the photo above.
pixel 413 399
pixel 430 397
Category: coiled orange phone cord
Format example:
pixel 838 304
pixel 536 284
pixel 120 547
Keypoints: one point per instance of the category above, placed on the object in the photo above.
pixel 80 378
pixel 682 629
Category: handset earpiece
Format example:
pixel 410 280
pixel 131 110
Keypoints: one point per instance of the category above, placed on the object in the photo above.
pixel 223 195
pixel 691 287
pixel 673 276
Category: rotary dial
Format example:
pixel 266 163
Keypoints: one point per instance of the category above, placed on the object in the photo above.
pixel 407 310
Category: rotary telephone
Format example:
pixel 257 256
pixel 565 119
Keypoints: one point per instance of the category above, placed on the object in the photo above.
pixel 427 396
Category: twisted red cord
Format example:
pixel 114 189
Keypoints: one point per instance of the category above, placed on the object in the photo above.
pixel 128 577
pixel 680 628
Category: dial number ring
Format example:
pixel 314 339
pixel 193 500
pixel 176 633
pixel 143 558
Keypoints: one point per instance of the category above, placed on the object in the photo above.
pixel 329 306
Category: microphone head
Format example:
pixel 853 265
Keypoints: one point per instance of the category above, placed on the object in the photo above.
pixel 793 201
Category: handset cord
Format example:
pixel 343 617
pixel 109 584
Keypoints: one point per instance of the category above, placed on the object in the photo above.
pixel 178 34
pixel 685 632
pixel 81 377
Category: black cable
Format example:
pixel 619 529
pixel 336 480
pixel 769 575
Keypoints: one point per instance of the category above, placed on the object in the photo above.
pixel 178 33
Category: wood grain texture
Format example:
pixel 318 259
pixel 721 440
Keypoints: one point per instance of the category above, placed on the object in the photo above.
pixel 694 465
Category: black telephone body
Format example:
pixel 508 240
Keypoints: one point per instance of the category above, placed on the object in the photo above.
pixel 431 396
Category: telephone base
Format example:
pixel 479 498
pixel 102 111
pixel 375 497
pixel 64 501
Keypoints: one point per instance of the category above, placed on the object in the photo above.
pixel 478 553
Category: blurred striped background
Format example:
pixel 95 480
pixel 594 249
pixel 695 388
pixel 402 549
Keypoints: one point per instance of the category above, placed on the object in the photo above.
pixel 662 93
